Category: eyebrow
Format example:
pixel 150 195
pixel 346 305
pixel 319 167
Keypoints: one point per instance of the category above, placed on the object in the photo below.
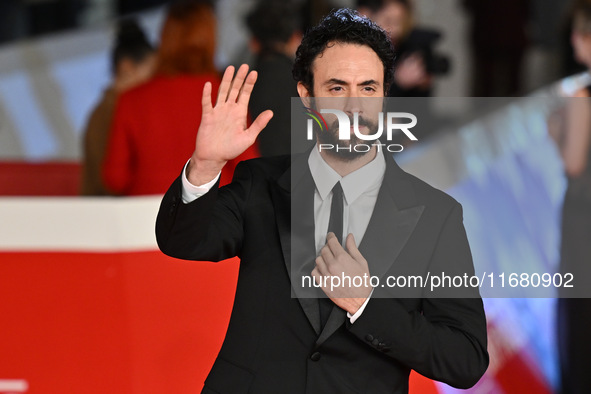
pixel 369 82
pixel 341 82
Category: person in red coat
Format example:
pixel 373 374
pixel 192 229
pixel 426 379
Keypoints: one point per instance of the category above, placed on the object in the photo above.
pixel 155 123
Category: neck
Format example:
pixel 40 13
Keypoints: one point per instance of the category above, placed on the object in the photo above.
pixel 123 83
pixel 345 167
pixel 119 85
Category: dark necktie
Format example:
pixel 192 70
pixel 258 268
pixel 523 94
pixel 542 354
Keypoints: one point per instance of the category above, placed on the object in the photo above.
pixel 335 225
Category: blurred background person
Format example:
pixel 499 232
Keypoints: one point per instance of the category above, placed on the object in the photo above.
pixel 574 142
pixel 132 62
pixel 275 30
pixel 498 40
pixel 154 126
pixel 417 63
pixel 314 10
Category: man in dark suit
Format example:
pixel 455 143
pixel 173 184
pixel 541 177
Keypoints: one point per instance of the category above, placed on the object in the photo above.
pixel 358 339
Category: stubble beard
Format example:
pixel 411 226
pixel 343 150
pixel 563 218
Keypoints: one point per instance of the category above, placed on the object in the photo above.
pixel 346 151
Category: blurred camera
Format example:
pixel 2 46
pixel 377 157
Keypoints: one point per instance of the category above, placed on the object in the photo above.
pixel 423 41
pixel 437 64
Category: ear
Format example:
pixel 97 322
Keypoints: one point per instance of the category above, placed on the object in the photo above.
pixel 303 90
pixel 304 94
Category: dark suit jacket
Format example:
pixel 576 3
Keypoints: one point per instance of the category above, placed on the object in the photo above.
pixel 274 343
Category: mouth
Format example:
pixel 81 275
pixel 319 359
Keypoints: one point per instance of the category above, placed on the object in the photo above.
pixel 361 128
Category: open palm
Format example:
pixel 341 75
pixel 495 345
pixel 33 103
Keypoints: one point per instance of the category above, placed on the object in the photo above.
pixel 223 133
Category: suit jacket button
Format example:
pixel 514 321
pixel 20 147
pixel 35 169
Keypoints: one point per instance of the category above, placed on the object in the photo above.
pixel 315 356
pixel 369 337
pixel 375 342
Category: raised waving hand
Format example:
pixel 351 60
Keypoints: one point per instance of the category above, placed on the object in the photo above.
pixel 223 133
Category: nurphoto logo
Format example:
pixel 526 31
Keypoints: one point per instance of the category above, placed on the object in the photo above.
pixel 350 138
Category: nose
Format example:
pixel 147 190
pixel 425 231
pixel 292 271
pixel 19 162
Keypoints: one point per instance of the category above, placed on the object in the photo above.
pixel 352 105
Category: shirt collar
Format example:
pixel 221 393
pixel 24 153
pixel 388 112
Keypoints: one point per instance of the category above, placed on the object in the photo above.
pixel 354 184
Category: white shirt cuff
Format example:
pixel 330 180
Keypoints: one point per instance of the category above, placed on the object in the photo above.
pixel 355 316
pixel 191 192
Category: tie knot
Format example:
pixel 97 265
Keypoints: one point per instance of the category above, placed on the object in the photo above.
pixel 337 190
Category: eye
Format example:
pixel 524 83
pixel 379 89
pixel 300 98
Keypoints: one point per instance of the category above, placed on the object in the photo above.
pixel 368 89
pixel 336 89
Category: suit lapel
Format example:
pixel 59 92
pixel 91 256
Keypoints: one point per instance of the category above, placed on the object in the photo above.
pixel 393 220
pixel 294 212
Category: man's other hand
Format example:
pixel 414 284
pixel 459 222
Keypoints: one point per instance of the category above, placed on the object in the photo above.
pixel 335 261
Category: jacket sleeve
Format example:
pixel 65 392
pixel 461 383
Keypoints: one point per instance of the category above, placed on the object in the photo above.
pixel 227 172
pixel 209 228
pixel 446 340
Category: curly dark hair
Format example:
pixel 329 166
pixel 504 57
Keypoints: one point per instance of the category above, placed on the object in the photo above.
pixel 348 27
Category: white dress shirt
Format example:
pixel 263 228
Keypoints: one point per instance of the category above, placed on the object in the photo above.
pixel 360 193
pixel 191 192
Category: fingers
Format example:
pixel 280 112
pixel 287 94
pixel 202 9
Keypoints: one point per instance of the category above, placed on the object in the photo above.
pixel 260 122
pixel 225 84
pixel 334 244
pixel 321 266
pixel 206 99
pixel 327 254
pixel 317 276
pixel 352 248
pixel 320 271
pixel 238 82
pixel 333 249
pixel 244 95
pixel 239 87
